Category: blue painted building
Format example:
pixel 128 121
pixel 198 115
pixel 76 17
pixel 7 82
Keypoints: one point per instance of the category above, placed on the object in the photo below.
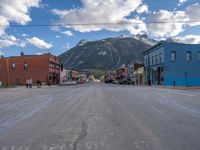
pixel 169 63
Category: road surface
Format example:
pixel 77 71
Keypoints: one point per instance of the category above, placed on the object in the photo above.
pixel 99 117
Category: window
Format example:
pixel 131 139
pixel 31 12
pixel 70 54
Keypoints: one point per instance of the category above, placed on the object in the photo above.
pixel 25 66
pixel 146 62
pixel 188 56
pixel 160 57
pixel 173 56
pixel 152 59
pixel 13 66
pixel 199 56
pixel 156 58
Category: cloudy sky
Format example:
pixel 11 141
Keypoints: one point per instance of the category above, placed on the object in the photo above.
pixel 24 24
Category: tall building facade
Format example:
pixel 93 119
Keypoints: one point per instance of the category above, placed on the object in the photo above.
pixel 169 63
pixel 16 70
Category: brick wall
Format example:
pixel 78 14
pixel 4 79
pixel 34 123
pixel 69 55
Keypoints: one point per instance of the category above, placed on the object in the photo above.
pixel 38 68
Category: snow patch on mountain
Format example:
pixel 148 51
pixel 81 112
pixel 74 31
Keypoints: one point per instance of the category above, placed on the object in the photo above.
pixel 102 53
pixel 144 38
pixel 82 42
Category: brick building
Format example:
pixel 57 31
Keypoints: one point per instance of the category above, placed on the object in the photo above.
pixel 15 70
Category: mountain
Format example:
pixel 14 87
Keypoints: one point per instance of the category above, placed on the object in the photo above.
pixel 144 38
pixel 104 54
pixel 173 40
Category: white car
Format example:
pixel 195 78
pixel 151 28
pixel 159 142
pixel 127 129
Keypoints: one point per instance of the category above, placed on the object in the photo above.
pixel 69 83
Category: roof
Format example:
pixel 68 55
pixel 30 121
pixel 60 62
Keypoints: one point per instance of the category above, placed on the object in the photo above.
pixel 153 47
pixel 164 43
pixel 46 54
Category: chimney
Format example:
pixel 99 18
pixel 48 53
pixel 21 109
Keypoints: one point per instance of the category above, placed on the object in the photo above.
pixel 1 56
pixel 22 53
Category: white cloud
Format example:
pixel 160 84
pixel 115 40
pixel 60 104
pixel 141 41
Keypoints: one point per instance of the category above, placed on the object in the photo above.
pixel 57 36
pixel 15 11
pixel 10 40
pixel 1 53
pixel 67 33
pixel 24 35
pixel 193 12
pixel 142 9
pixel 99 11
pixel 104 11
pixel 189 39
pixel 6 43
pixel 177 21
pixel 39 43
pixel 40 53
pixel 166 29
pixel 181 2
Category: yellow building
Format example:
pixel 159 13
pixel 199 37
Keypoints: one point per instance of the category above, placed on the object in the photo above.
pixel 139 76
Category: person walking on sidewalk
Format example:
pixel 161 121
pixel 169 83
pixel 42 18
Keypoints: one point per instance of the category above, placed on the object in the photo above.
pixel 27 83
pixel 30 83
pixel 39 83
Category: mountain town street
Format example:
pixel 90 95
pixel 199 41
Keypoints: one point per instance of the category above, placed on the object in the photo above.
pixel 99 117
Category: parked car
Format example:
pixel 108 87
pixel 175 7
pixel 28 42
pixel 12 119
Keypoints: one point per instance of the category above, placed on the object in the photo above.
pixel 73 83
pixel 69 83
pixel 115 82
pixel 81 82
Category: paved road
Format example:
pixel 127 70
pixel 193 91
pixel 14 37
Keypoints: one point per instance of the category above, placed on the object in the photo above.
pixel 99 117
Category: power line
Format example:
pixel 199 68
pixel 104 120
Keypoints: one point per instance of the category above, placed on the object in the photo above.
pixel 98 24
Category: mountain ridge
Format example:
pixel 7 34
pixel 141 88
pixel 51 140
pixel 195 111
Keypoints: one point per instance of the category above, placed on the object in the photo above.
pixel 104 54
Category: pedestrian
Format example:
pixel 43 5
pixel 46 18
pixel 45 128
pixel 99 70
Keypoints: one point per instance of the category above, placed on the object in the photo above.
pixel 30 83
pixel 39 83
pixel 27 83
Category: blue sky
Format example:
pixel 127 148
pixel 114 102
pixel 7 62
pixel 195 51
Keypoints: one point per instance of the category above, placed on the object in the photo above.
pixel 37 40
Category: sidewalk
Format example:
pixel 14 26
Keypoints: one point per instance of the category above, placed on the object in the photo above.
pixel 178 87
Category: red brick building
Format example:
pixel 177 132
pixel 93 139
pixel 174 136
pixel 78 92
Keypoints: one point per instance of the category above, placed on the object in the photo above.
pixel 15 70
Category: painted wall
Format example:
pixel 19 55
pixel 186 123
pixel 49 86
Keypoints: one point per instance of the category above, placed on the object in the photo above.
pixel 155 51
pixel 181 71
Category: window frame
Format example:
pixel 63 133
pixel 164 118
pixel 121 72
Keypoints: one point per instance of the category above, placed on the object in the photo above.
pixel 173 52
pixel 160 57
pixel 25 67
pixel 13 65
pixel 156 58
pixel 152 60
pixel 190 56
